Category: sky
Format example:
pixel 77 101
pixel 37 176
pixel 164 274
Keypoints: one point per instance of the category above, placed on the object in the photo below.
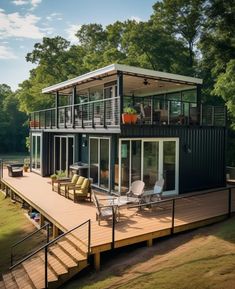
pixel 25 22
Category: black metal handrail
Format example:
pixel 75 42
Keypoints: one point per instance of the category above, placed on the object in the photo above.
pixel 47 226
pixel 173 202
pixel 48 244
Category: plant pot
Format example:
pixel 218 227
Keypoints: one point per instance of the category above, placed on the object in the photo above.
pixel 34 123
pixel 134 118
pixel 126 118
pixel 26 169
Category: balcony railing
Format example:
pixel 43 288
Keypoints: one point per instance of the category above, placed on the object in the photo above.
pixel 106 113
pixel 100 113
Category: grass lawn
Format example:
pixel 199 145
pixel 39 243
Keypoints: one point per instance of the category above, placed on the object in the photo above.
pixel 13 227
pixel 200 259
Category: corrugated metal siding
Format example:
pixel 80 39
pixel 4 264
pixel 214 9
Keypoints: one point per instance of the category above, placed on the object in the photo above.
pixel 204 165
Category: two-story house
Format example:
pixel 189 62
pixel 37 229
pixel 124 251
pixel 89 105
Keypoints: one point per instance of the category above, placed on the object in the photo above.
pixel 175 136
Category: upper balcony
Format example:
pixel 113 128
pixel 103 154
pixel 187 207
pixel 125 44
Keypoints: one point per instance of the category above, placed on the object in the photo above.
pixel 96 101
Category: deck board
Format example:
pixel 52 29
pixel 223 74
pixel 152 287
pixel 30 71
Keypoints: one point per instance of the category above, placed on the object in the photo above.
pixel 133 223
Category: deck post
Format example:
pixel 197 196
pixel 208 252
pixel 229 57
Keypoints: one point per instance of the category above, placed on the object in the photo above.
pixel 55 231
pixel 150 243
pixel 120 93
pixel 41 220
pixel 73 103
pixel 229 202
pixel 97 261
pixel 56 109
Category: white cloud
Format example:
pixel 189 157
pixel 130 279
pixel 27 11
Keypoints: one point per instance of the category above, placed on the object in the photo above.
pixel 48 30
pixel 71 30
pixel 20 2
pixel 136 18
pixel 33 3
pixel 2 10
pixel 16 25
pixel 54 16
pixel 6 53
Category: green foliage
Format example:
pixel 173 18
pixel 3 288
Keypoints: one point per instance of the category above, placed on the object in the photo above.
pixel 58 174
pixel 13 129
pixel 129 110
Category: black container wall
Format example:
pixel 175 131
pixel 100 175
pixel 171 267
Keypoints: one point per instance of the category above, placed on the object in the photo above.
pixel 201 153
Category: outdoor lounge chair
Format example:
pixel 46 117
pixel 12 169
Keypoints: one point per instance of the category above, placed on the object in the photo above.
pixel 83 192
pixel 158 190
pixel 136 190
pixel 15 170
pixel 104 212
pixel 76 186
pixel 64 186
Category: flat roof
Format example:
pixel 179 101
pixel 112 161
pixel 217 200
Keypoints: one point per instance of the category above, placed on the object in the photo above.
pixel 131 70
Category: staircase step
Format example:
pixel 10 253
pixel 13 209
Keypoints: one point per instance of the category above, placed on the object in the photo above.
pixel 72 251
pixel 62 256
pixel 2 286
pixel 79 245
pixel 9 281
pixel 35 269
pixel 22 279
pixel 56 266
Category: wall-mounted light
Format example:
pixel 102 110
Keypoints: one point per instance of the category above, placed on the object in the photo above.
pixel 187 149
pixel 84 142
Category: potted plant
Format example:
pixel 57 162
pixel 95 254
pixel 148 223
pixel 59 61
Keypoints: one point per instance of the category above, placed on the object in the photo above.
pixel 129 116
pixel 26 165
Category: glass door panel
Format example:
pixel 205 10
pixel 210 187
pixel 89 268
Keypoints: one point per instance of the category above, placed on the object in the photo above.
pixel 125 165
pixel 94 160
pixel 136 160
pixel 36 152
pixel 150 163
pixel 169 164
pixel 63 154
pixel 104 163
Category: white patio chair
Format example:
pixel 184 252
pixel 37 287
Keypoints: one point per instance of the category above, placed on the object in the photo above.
pixel 158 190
pixel 136 190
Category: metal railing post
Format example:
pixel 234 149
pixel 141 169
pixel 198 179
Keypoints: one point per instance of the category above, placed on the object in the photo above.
pixel 229 202
pixel 82 117
pixel 89 240
pixel 173 216
pixel 113 229
pixel 169 111
pixel 46 263
pixel 93 114
pixel 104 103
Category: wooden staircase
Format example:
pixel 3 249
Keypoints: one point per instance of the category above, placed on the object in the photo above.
pixel 65 258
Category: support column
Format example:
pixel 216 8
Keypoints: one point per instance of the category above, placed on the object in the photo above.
pixel 41 220
pixel 199 101
pixel 150 243
pixel 97 261
pixel 120 92
pixel 72 103
pixel 56 109
pixel 55 231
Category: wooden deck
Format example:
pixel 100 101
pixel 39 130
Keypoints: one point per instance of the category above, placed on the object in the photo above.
pixel 134 225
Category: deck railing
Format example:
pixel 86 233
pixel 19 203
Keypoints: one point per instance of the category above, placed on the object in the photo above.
pixel 99 113
pixel 106 113
pixel 204 208
pixel 86 240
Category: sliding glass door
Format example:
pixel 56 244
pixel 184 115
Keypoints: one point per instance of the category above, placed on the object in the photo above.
pixel 64 153
pixel 149 160
pixel 99 160
pixel 36 152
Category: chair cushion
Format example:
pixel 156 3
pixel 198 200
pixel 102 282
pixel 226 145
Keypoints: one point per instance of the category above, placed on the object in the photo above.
pixel 74 179
pixel 81 193
pixel 80 180
pixel 85 184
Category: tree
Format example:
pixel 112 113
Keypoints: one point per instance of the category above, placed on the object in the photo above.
pixel 13 125
pixel 183 19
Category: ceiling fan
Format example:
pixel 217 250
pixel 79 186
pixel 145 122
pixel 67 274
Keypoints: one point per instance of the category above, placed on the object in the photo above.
pixel 145 82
